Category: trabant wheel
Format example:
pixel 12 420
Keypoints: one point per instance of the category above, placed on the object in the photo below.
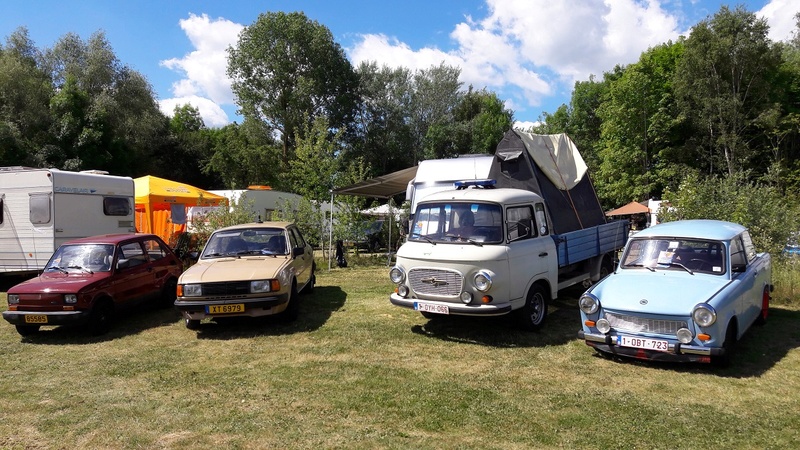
pixel 100 318
pixel 27 330
pixel 532 315
pixel 293 309
pixel 729 345
pixel 192 324
pixel 762 316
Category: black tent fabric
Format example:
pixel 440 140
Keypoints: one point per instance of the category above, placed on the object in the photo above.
pixel 574 205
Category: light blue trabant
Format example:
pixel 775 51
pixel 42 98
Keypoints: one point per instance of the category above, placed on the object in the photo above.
pixel 683 291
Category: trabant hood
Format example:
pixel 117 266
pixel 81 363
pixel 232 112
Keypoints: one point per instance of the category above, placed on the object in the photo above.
pixel 59 282
pixel 456 252
pixel 667 292
pixel 234 269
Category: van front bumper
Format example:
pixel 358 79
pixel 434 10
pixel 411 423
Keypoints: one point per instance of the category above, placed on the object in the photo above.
pixel 459 309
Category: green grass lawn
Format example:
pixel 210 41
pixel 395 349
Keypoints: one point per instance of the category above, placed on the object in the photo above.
pixel 357 372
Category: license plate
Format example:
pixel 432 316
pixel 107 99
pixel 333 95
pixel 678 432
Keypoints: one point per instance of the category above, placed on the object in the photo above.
pixel 431 308
pixel 35 318
pixel 225 309
pixel 645 343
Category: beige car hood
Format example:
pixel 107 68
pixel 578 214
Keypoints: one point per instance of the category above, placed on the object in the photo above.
pixel 235 269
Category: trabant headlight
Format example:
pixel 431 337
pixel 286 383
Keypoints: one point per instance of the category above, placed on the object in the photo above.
pixel 589 304
pixel 483 282
pixel 259 286
pixel 191 290
pixel 684 335
pixel 13 299
pixel 603 326
pixel 704 315
pixel 70 298
pixel 397 275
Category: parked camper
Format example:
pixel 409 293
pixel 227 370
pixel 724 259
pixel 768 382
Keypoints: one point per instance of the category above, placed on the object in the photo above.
pixel 511 243
pixel 436 175
pixel 42 208
pixel 263 200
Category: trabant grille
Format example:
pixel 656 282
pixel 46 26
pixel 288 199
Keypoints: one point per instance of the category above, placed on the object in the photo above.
pixel 445 283
pixel 624 322
pixel 228 288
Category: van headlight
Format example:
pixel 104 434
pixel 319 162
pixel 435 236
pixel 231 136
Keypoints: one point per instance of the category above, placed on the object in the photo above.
pixel 483 282
pixel 704 315
pixel 397 275
pixel 589 304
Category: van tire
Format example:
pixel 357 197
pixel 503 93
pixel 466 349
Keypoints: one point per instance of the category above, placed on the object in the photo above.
pixel 532 316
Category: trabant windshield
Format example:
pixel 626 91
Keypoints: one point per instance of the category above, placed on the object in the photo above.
pixel 676 254
pixel 247 241
pixel 457 222
pixel 82 257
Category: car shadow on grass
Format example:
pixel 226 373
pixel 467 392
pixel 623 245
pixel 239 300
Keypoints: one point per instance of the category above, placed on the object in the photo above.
pixel 315 309
pixel 758 351
pixel 561 326
pixel 135 321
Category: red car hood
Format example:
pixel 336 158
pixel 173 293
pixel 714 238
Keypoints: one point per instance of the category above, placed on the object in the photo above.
pixel 59 282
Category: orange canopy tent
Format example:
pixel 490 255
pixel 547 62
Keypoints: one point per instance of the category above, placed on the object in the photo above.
pixel 155 198
pixel 629 209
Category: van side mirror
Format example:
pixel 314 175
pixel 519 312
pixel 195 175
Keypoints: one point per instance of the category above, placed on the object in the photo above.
pixel 297 251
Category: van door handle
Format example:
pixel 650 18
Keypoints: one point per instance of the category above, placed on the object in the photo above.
pixel 542 255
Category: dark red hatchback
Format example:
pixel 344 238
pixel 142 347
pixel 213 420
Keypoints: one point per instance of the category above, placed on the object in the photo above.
pixel 89 280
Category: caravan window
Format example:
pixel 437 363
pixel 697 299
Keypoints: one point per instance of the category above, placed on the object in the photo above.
pixel 40 208
pixel 116 206
pixel 2 201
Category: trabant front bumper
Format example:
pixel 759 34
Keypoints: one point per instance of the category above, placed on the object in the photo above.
pixel 456 308
pixel 677 352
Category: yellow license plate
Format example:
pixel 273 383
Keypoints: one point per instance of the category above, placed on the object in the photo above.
pixel 35 318
pixel 225 309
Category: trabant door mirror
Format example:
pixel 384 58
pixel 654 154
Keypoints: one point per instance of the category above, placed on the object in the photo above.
pixel 738 268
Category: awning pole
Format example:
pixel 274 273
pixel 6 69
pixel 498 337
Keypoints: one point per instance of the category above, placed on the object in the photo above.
pixel 330 235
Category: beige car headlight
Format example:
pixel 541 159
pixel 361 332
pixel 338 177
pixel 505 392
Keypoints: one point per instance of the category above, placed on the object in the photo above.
pixel 191 290
pixel 260 286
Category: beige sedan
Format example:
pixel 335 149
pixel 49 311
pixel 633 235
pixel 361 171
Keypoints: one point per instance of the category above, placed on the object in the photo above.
pixel 254 269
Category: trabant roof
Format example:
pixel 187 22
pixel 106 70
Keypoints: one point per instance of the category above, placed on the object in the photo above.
pixel 717 230
pixel 501 195
pixel 258 225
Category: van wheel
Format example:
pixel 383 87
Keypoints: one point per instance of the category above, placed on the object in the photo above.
pixel 606 267
pixel 27 330
pixel 531 316
pixel 192 324
pixel 100 318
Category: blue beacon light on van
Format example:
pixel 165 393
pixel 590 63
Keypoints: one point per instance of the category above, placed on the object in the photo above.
pixel 487 183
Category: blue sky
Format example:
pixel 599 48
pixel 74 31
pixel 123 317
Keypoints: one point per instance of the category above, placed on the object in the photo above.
pixel 530 52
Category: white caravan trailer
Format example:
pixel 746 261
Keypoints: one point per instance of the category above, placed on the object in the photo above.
pixel 436 175
pixel 42 208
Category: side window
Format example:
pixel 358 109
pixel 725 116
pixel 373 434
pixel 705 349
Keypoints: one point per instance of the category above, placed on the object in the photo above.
pixel 749 248
pixel 2 205
pixel 541 219
pixel 116 206
pixel 40 208
pixel 738 256
pixel 520 223
pixel 131 254
pixel 293 238
pixel 154 249
pixel 301 242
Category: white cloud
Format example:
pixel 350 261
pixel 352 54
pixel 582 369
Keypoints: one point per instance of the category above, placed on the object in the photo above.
pixel 206 82
pixel 213 116
pixel 528 50
pixel 780 15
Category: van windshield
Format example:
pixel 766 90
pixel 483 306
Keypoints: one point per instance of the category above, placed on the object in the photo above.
pixel 457 222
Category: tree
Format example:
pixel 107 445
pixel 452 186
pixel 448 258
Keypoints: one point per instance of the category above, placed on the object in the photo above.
pixel 243 155
pixel 287 69
pixel 434 96
pixel 724 82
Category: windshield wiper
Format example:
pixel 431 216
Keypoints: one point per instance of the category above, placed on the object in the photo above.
pixel 81 268
pixel 430 241
pixel 673 263
pixel 59 268
pixel 651 269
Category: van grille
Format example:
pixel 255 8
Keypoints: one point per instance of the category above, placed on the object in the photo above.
pixel 444 283
pixel 625 322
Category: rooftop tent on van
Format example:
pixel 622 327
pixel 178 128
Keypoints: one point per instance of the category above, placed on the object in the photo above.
pixel 551 166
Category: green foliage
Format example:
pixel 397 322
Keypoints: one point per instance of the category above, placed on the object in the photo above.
pixel 763 209
pixel 244 155
pixel 308 216
pixel 287 70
